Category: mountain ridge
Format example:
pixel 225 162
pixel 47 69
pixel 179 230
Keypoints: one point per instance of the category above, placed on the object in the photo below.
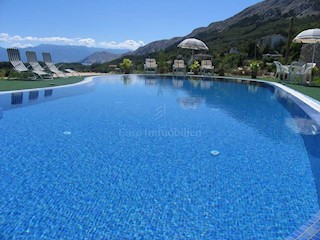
pixel 262 12
pixel 64 53
pixel 100 57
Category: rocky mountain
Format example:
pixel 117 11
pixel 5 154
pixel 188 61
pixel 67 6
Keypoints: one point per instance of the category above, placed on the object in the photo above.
pixel 100 57
pixel 258 14
pixel 156 46
pixel 63 53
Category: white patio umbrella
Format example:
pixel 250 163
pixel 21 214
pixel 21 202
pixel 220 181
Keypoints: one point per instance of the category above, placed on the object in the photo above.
pixel 309 36
pixel 194 44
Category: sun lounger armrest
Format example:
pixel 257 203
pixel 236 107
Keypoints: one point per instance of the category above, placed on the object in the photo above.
pixel 285 68
pixel 310 66
pixel 21 64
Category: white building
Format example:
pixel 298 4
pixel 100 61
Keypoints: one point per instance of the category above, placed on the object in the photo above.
pixel 272 40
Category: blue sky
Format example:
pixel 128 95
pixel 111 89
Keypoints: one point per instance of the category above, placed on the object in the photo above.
pixel 107 23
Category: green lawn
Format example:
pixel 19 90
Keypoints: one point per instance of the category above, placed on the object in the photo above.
pixel 313 92
pixel 8 85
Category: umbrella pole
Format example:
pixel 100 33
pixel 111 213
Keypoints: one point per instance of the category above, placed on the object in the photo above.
pixel 314 49
pixel 191 59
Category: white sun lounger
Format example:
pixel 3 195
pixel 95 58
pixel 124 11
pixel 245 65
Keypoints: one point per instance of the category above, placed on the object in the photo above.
pixel 18 65
pixel 48 61
pixel 33 62
pixel 52 68
pixel 206 66
pixel 150 65
pixel 178 66
pixel 74 73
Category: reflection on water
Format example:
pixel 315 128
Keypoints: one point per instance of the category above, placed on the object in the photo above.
pixel 232 98
pixel 48 93
pixel 189 102
pixel 177 83
pixel 306 122
pixel 126 79
pixel 195 82
pixel 33 95
pixel 205 84
pixel 16 98
pixel 260 109
pixel 302 121
pixel 252 88
pixel 150 82
pixel 302 126
pixel 119 127
pixel 26 98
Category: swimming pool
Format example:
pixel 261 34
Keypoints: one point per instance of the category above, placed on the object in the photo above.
pixel 129 157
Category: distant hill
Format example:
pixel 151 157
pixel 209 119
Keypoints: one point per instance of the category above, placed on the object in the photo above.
pixel 262 19
pixel 100 57
pixel 63 53
pixel 3 54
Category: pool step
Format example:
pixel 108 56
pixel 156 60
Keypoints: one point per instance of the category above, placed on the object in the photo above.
pixel 310 230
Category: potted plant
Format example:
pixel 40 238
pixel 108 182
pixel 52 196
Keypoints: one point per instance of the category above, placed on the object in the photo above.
pixel 195 67
pixel 126 65
pixel 254 67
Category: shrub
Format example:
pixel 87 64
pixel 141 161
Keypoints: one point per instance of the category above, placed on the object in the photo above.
pixel 126 65
pixel 162 62
pixel 195 67
pixel 255 65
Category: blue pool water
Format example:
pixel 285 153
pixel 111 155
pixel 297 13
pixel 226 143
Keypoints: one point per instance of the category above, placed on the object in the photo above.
pixel 130 158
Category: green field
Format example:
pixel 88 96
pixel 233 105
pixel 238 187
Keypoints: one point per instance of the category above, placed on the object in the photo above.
pixel 8 84
pixel 313 92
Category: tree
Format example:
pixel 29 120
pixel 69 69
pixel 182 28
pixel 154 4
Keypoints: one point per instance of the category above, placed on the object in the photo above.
pixel 162 62
pixel 126 65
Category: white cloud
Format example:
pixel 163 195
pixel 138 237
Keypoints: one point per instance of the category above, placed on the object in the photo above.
pixel 19 41
pixel 20 45
pixel 4 37
pixel 128 44
pixel 89 42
